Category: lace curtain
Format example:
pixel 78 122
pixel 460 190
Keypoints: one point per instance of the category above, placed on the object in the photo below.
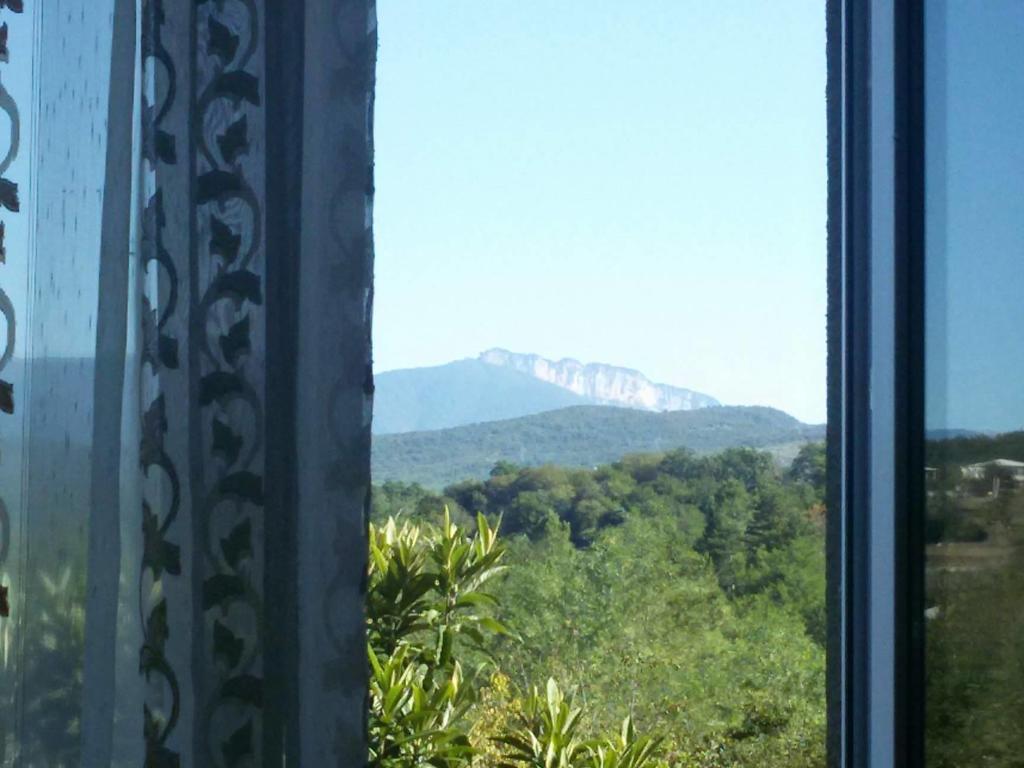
pixel 185 380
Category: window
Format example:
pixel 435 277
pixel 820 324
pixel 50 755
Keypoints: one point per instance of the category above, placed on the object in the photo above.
pixel 974 409
pixel 601 307
pixel 925 213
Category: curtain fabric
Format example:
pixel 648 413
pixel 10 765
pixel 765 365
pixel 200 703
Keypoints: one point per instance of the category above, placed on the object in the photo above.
pixel 186 382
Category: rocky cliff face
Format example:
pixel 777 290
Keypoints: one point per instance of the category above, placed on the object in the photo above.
pixel 603 384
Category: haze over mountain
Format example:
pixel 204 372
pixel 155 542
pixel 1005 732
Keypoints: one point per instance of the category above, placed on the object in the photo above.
pixel 503 385
pixel 582 436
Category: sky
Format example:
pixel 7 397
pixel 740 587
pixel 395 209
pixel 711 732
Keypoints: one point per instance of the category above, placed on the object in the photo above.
pixel 975 215
pixel 641 184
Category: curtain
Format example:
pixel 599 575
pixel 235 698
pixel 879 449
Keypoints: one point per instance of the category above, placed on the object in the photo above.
pixel 185 381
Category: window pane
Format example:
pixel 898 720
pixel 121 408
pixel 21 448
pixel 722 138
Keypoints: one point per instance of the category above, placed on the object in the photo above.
pixel 974 401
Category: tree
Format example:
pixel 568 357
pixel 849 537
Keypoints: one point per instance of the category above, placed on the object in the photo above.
pixel 426 603
pixel 685 591
pixel 724 539
pixel 503 468
pixel 809 467
pixel 428 609
pixel 778 519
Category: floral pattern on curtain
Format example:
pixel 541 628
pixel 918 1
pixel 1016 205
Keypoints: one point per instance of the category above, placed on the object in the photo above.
pixel 194 492
pixel 18 46
pixel 9 204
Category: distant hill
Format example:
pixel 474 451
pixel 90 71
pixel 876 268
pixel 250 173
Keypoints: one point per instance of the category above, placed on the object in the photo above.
pixel 971 448
pixel 460 393
pixel 505 385
pixel 602 384
pixel 582 436
pixel 950 434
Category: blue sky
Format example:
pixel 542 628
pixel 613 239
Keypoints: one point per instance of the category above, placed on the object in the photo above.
pixel 975 215
pixel 634 183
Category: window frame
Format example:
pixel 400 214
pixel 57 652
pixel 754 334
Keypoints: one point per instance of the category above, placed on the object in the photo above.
pixel 876 383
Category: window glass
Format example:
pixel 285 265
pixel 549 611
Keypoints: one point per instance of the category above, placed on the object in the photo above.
pixel 16 83
pixel 59 307
pixel 974 400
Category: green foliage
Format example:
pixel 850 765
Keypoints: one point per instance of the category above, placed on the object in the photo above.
pixel 973 449
pixel 729 513
pixel 686 592
pixel 427 612
pixel 974 701
pixel 548 737
pixel 415 712
pixel 638 623
pixel 52 676
pixel 407 501
pixel 425 605
pixel 628 750
pixel 809 467
pixel 746 504
pixel 975 667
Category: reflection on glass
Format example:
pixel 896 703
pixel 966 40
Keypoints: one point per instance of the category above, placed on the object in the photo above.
pixel 975 370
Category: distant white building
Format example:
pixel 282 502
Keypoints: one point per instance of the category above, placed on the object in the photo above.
pixel 1004 468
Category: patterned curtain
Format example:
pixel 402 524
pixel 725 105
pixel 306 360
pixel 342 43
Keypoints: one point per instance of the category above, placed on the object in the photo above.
pixel 186 260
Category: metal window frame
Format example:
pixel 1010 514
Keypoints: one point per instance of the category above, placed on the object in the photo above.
pixel 876 387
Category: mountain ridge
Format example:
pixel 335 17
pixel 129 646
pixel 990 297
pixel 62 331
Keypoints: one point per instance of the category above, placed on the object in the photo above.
pixel 579 436
pixel 602 383
pixel 498 385
pixel 459 393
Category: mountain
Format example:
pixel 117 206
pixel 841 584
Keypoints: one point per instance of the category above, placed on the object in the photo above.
pixel 601 384
pixel 949 433
pixel 459 393
pixel 502 385
pixel 973 447
pixel 582 436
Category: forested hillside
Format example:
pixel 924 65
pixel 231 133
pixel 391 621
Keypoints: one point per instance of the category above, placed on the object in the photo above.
pixel 584 436
pixel 686 591
pixel 970 448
